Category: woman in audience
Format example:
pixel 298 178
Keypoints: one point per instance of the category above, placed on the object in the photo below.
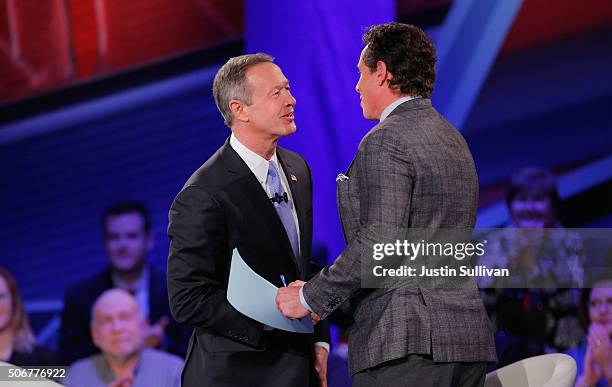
pixel 594 357
pixel 17 343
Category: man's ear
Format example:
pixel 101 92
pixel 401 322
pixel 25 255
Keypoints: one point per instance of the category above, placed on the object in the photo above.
pixel 238 109
pixel 94 335
pixel 382 73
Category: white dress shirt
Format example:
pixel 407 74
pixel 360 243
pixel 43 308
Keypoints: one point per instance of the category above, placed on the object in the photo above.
pixel 395 104
pixel 139 289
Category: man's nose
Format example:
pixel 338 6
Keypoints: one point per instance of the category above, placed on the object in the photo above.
pixel 115 325
pixel 291 101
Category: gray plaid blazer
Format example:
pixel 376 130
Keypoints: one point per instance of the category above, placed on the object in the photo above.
pixel 413 170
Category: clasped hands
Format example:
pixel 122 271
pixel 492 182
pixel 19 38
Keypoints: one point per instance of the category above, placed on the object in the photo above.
pixel 288 302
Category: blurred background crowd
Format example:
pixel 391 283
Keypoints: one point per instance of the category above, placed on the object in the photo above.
pixel 106 107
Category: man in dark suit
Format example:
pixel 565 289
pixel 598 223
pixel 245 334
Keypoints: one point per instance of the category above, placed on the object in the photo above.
pixel 127 241
pixel 254 196
pixel 412 171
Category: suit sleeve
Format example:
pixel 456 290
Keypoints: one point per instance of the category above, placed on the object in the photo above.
pixel 74 336
pixel 197 265
pixel 386 183
pixel 321 330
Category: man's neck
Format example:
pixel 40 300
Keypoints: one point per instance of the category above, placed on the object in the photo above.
pixel 123 366
pixel 6 343
pixel 392 103
pixel 264 147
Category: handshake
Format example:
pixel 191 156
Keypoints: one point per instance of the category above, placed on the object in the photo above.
pixel 289 303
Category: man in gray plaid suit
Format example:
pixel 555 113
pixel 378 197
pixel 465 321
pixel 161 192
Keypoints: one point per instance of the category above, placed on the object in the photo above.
pixel 413 170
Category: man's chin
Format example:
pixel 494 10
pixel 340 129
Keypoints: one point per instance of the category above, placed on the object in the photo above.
pixel 125 268
pixel 289 130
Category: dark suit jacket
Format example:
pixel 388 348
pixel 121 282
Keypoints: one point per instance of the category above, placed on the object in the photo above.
pixel 412 171
pixel 221 207
pixel 75 338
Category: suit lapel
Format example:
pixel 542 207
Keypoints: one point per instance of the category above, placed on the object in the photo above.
pixel 347 197
pixel 156 309
pixel 248 183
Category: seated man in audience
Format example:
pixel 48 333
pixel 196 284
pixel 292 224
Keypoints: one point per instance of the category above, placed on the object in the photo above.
pixel 117 329
pixel 128 240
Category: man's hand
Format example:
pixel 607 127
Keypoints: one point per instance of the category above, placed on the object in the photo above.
pixel 315 318
pixel 321 355
pixel 288 302
pixel 154 334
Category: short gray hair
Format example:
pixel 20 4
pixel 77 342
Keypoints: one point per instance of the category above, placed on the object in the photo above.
pixel 230 82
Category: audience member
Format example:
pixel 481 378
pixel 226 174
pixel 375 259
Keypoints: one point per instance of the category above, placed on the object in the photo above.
pixel 128 240
pixel 117 328
pixel 594 356
pixel 535 309
pixel 17 343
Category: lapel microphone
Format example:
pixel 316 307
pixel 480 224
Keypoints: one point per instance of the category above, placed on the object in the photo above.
pixel 280 198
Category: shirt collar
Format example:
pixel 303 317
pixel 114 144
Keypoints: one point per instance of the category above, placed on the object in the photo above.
pixel 140 284
pixel 395 104
pixel 106 373
pixel 257 164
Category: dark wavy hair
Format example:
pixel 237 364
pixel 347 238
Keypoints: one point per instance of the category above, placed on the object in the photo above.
pixel 534 181
pixel 409 54
pixel 127 207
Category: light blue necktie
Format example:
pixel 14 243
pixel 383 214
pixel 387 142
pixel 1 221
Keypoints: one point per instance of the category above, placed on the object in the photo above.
pixel 283 209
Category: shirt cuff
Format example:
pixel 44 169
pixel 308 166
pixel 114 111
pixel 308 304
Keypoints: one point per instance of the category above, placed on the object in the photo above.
pixel 303 300
pixel 322 344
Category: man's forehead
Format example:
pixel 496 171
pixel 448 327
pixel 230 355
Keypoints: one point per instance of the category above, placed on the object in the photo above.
pixel 114 301
pixel 108 310
pixel 360 61
pixel 266 72
pixel 126 218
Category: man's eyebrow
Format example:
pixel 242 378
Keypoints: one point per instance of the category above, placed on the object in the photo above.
pixel 280 86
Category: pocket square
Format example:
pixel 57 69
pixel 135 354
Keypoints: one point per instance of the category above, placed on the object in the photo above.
pixel 293 178
pixel 341 177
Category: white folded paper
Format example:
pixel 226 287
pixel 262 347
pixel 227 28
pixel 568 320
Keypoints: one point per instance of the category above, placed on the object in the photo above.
pixel 255 297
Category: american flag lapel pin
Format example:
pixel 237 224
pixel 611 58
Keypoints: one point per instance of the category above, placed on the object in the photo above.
pixel 293 178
